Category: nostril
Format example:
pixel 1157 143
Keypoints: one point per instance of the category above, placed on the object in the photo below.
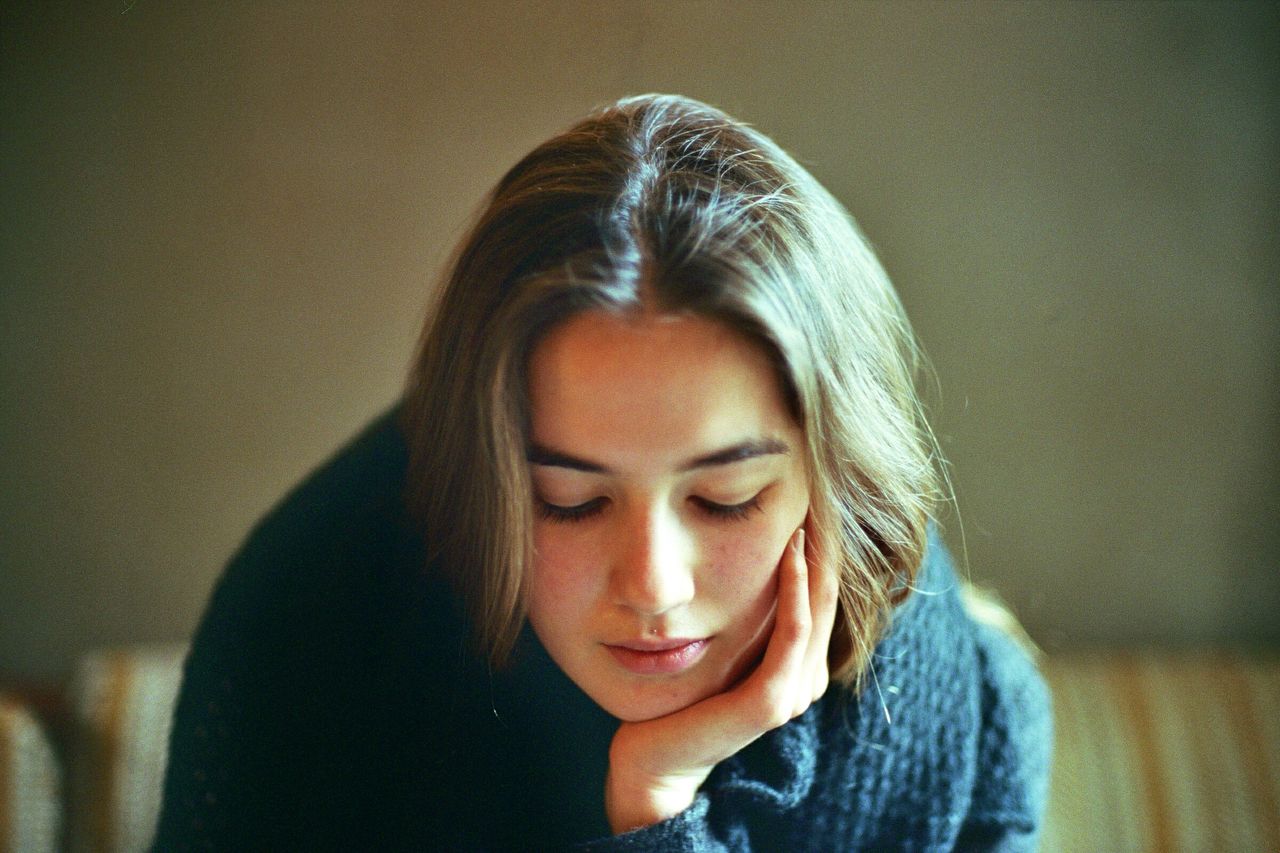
pixel 651 588
pixel 655 571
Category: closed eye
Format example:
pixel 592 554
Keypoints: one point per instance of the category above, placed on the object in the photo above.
pixel 728 512
pixel 577 512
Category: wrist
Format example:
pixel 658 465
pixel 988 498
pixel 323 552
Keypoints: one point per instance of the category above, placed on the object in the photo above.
pixel 634 805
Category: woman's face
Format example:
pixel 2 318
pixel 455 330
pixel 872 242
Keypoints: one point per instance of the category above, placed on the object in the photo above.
pixel 668 477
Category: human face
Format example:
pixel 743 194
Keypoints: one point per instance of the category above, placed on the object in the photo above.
pixel 668 477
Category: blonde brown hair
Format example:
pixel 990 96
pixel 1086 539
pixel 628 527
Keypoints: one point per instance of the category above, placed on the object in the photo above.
pixel 663 203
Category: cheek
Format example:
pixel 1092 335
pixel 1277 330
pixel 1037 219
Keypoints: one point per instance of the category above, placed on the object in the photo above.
pixel 742 563
pixel 746 559
pixel 561 575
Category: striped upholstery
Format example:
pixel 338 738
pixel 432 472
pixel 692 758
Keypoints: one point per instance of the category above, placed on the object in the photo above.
pixel 1165 752
pixel 29 783
pixel 123 704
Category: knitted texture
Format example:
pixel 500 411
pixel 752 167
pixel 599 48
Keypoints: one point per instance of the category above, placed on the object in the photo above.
pixel 330 703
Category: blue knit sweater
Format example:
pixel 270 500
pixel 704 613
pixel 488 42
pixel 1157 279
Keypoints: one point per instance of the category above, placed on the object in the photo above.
pixel 330 703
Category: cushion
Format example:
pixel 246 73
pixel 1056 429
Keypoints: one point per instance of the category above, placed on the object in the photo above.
pixel 1164 751
pixel 30 805
pixel 122 704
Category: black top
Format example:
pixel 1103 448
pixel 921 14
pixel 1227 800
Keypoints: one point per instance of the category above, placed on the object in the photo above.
pixel 330 703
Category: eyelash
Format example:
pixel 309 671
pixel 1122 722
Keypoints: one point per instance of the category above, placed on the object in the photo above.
pixel 729 512
pixel 555 512
pixel 583 511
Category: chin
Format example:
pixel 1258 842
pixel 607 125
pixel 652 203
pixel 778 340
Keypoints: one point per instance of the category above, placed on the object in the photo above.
pixel 635 703
pixel 638 710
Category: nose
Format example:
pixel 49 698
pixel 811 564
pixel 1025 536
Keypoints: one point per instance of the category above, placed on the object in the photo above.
pixel 653 570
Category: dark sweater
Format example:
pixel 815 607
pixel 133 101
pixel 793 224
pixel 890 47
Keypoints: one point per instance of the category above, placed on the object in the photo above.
pixel 330 703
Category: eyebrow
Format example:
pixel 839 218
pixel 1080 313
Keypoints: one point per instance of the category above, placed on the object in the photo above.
pixel 539 455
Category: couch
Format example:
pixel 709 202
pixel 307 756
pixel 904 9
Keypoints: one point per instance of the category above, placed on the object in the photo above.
pixel 1155 751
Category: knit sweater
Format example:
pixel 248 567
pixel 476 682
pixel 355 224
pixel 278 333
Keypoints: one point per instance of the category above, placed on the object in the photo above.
pixel 330 702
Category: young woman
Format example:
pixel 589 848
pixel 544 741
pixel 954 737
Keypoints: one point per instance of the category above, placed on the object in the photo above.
pixel 643 560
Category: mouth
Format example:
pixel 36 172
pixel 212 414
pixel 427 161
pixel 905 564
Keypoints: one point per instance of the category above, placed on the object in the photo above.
pixel 658 657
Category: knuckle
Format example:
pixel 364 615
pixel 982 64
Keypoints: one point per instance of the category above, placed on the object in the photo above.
pixel 779 715
pixel 774 708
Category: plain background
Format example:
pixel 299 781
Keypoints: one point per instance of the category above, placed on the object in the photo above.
pixel 221 224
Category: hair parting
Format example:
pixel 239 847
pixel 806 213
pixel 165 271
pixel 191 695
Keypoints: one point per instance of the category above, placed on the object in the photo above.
pixel 661 204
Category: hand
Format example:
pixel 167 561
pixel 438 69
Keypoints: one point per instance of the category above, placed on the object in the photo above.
pixel 656 766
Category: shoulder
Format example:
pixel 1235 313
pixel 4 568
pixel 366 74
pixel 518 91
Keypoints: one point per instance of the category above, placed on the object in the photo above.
pixel 333 559
pixel 361 483
pixel 316 635
pixel 1013 697
pixel 1014 716
pixel 949 740
pixel 1016 739
pixel 1015 736
pixel 345 520
pixel 334 548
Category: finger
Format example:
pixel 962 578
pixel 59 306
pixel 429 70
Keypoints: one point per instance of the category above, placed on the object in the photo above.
pixel 781 679
pixel 823 598
pixel 793 620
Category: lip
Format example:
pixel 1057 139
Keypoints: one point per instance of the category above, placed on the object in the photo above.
pixel 658 657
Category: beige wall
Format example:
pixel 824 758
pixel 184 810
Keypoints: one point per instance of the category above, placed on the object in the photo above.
pixel 219 228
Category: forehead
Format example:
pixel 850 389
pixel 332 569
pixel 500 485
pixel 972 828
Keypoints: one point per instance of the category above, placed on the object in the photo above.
pixel 649 390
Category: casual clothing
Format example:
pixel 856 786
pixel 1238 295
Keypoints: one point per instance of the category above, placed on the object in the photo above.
pixel 331 702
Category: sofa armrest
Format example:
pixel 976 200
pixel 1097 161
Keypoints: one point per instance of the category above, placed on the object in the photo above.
pixel 30 782
pixel 122 708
